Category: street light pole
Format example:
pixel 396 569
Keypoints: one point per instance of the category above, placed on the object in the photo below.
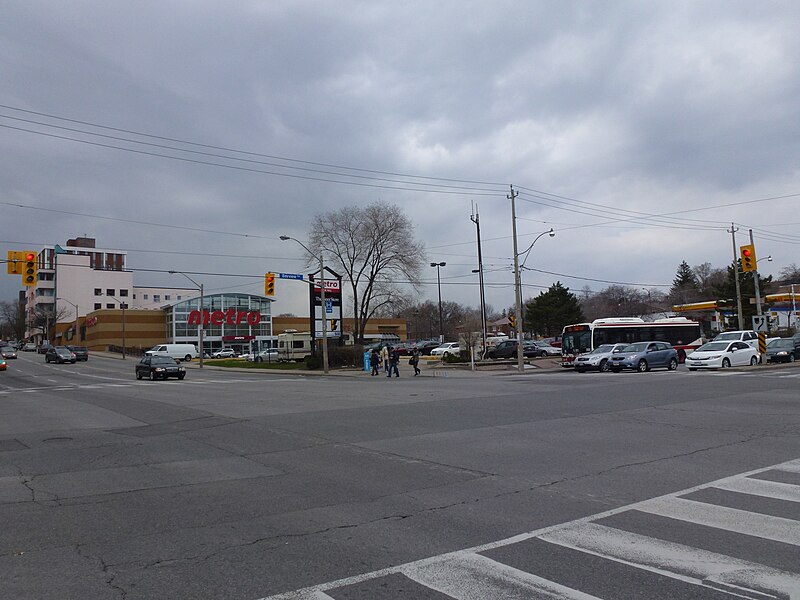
pixel 324 318
pixel 76 314
pixel 476 219
pixel 200 325
pixel 439 282
pixel 122 306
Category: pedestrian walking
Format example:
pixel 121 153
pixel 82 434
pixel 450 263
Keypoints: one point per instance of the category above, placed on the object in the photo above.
pixel 385 357
pixel 414 361
pixel 375 361
pixel 394 358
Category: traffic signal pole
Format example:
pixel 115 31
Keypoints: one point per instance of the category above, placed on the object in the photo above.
pixel 755 279
pixel 517 282
pixel 733 231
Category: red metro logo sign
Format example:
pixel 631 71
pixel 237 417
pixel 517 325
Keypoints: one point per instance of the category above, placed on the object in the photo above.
pixel 228 317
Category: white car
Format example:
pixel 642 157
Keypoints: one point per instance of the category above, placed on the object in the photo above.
pixel 721 355
pixel 224 353
pixel 266 355
pixel 447 349
pixel 597 359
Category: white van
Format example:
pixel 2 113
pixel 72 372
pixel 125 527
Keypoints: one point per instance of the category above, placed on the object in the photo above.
pixel 184 352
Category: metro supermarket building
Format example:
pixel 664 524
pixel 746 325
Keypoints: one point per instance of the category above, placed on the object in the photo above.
pixel 232 320
pixel 144 328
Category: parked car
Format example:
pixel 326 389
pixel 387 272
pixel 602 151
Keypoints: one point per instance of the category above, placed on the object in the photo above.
pixel 80 352
pixel 426 346
pixel 59 354
pixel 159 367
pixel 266 355
pixel 8 352
pixel 3 365
pixel 721 355
pixel 29 347
pixel 44 347
pixel 508 349
pixel 783 350
pixel 447 349
pixel 643 356
pixel 224 353
pixel 597 359
pixel 749 337
pixel 545 349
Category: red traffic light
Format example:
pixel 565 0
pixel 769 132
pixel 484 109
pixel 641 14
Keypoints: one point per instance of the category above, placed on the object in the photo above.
pixel 746 252
pixel 30 256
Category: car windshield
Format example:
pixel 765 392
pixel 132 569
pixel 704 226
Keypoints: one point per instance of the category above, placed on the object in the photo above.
pixel 602 349
pixel 713 347
pixel 730 335
pixel 163 360
pixel 637 347
pixel 785 343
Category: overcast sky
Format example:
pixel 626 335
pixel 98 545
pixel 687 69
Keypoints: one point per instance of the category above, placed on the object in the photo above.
pixel 602 115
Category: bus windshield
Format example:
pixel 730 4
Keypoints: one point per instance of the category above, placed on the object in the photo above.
pixel 576 341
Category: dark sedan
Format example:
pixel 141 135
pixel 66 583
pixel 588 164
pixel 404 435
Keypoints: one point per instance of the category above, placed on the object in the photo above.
pixel 59 354
pixel 159 367
pixel 508 349
pixel 783 350
pixel 80 352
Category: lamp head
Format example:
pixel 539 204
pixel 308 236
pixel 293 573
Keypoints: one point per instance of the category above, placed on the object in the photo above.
pixel 285 237
pixel 552 233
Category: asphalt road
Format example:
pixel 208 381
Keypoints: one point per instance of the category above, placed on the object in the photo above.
pixel 244 486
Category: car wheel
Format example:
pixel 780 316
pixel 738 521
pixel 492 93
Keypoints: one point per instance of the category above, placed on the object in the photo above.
pixel 445 355
pixel 791 357
pixel 138 375
pixel 543 354
pixel 753 361
pixel 673 364
pixel 726 363
pixel 642 366
pixel 604 365
pixel 259 359
pixel 188 358
pixel 181 376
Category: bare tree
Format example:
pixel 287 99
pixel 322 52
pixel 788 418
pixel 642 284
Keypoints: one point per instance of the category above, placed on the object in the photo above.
pixel 13 317
pixel 374 247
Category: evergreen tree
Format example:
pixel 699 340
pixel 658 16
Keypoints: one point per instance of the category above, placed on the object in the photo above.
pixel 685 287
pixel 550 311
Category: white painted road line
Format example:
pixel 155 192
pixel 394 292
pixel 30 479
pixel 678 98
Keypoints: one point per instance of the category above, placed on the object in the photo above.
pixel 699 567
pixel 468 576
pixel 761 487
pixel 776 529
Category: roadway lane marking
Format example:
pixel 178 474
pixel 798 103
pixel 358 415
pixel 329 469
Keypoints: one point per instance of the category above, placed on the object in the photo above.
pixel 466 576
pixel 459 574
pixel 760 487
pixel 673 560
pixel 777 529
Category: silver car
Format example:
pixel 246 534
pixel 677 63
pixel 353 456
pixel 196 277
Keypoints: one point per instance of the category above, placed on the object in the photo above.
pixel 643 356
pixel 597 359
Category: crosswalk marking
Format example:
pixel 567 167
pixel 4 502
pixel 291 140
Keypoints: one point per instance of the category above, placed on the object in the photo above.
pixel 678 561
pixel 468 575
pixel 768 527
pixel 135 383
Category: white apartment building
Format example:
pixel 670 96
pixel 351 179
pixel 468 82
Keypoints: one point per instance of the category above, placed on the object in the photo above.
pixel 78 278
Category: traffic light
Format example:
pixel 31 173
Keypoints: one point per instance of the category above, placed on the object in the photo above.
pixel 748 255
pixel 14 263
pixel 334 323
pixel 512 320
pixel 29 269
pixel 269 284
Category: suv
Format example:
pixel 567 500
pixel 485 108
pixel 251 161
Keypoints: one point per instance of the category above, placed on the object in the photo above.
pixel 643 356
pixel 748 337
pixel 80 352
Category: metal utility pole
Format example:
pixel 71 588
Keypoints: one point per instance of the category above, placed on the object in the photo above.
pixel 517 283
pixel 438 266
pixel 733 231
pixel 755 279
pixel 475 218
pixel 200 325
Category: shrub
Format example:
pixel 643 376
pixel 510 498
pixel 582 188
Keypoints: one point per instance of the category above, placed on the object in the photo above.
pixel 313 362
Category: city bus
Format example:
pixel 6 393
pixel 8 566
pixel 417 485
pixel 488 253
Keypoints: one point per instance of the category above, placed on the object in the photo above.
pixel 684 334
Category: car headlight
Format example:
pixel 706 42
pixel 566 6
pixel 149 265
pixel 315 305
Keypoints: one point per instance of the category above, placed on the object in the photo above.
pixel 714 357
pixel 159 369
pixel 782 353
pixel 181 369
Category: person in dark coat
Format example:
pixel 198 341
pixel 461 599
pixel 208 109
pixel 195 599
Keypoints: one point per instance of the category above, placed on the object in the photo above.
pixel 394 358
pixel 375 361
pixel 414 361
